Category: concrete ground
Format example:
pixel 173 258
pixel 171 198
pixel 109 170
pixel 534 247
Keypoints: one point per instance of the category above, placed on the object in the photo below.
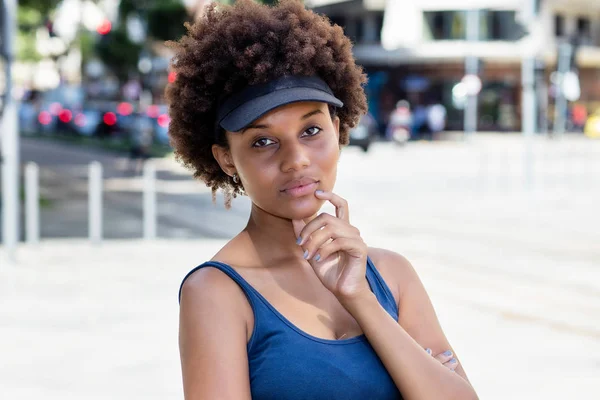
pixel 507 246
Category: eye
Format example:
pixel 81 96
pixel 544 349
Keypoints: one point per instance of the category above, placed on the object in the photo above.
pixel 262 142
pixel 312 131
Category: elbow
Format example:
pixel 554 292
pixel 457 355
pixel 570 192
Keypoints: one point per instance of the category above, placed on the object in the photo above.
pixel 464 392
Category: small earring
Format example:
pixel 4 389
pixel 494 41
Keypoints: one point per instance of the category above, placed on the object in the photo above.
pixel 236 178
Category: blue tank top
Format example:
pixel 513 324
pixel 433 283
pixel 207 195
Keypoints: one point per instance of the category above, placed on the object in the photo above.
pixel 286 363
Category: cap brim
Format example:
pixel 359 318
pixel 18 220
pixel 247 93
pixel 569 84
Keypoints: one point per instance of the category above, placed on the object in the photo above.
pixel 250 111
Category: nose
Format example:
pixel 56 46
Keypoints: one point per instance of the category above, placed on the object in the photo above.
pixel 295 157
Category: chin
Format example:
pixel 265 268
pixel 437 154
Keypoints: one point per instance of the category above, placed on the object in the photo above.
pixel 300 209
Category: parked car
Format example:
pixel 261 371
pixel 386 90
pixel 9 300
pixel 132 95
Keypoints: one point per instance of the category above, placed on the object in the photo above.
pixel 364 133
pixel 160 115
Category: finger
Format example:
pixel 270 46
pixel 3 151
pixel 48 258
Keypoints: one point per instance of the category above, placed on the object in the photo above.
pixel 444 357
pixel 452 364
pixel 351 246
pixel 298 225
pixel 324 235
pixel 341 205
pixel 314 225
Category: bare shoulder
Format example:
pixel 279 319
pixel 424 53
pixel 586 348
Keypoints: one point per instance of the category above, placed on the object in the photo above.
pixel 210 285
pixel 395 269
pixel 213 333
pixel 209 289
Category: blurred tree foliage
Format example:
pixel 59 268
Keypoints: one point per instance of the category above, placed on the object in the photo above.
pixel 118 52
pixel 31 15
pixel 44 7
pixel 87 43
pixel 165 20
pixel 28 21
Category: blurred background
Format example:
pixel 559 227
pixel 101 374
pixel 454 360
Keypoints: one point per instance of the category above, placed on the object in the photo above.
pixel 479 160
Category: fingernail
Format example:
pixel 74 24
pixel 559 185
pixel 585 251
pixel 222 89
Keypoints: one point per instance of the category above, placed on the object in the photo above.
pixel 318 257
pixel 319 192
pixel 447 353
pixel 299 240
pixel 306 254
pixel 428 351
pixel 453 360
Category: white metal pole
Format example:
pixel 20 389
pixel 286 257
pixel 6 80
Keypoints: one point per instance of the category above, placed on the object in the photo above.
pixel 561 105
pixel 150 215
pixel 10 139
pixel 528 103
pixel 471 68
pixel 528 106
pixel 528 119
pixel 95 202
pixel 32 203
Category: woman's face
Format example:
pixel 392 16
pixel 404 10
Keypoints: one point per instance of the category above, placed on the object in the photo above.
pixel 284 156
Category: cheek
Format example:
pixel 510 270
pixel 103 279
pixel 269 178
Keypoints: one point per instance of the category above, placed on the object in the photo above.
pixel 256 174
pixel 328 158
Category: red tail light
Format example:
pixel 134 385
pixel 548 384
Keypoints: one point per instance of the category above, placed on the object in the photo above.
pixel 124 108
pixel 45 118
pixel 163 120
pixel 65 116
pixel 110 118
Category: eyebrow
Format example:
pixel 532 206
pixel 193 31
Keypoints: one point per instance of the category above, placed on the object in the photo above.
pixel 266 126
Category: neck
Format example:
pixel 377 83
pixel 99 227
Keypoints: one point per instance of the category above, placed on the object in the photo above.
pixel 273 237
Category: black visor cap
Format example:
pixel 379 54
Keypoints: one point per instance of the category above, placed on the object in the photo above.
pixel 245 107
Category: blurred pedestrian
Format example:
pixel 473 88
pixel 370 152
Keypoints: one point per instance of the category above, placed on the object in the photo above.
pixel 579 116
pixel 436 119
pixel 296 306
pixel 400 120
pixel 420 127
pixel 141 138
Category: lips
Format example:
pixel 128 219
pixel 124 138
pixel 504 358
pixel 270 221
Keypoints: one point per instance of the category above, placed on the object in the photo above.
pixel 300 187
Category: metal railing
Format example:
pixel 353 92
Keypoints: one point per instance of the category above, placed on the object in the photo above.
pixel 95 202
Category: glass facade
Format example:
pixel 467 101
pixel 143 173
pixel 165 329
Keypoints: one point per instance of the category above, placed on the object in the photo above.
pixel 444 25
pixel 451 25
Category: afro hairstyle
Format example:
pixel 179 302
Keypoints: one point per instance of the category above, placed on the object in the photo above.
pixel 232 46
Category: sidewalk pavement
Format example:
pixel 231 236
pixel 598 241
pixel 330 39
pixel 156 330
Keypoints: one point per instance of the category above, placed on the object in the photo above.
pixel 100 322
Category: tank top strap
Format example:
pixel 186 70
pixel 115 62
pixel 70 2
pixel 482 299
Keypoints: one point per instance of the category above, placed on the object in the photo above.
pixel 259 304
pixel 381 290
pixel 248 290
pixel 259 309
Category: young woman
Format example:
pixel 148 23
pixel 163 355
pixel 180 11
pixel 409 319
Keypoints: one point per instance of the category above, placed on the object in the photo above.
pixel 296 306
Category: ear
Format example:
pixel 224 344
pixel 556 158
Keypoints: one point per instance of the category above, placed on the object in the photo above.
pixel 223 157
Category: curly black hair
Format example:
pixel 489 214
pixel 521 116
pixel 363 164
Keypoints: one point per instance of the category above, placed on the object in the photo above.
pixel 249 43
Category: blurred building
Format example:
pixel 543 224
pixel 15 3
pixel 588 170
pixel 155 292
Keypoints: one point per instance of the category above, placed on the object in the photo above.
pixel 430 47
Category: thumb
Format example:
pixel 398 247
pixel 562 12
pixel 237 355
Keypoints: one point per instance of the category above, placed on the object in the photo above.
pixel 298 225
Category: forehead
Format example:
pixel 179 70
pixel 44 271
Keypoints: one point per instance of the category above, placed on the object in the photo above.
pixel 293 111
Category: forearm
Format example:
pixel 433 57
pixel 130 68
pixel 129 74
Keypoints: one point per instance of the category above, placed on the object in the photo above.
pixel 416 374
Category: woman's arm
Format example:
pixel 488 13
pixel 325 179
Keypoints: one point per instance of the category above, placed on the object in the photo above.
pixel 213 337
pixel 338 256
pixel 400 345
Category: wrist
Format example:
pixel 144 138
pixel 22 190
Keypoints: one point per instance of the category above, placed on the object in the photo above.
pixel 357 302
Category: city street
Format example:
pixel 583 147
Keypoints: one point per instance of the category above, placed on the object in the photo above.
pixel 504 236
